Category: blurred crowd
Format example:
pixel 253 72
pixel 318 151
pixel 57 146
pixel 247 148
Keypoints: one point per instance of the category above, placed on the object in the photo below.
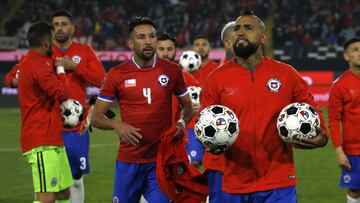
pixel 103 23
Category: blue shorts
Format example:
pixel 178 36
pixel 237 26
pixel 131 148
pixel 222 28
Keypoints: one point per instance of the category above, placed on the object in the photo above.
pixel 194 148
pixel 133 180
pixel 280 195
pixel 77 149
pixel 351 179
pixel 215 183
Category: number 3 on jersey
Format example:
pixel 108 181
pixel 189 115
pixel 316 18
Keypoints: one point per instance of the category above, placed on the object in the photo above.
pixel 147 94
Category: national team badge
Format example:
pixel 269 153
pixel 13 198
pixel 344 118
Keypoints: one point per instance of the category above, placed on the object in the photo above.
pixel 163 80
pixel 53 182
pixel 274 85
pixel 76 59
pixel 347 179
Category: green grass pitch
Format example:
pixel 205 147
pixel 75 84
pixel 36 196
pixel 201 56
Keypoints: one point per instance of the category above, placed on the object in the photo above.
pixel 317 171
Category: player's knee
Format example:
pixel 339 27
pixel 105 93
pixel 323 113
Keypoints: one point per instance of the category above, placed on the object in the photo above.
pixel 78 183
pixel 63 195
pixel 77 177
pixel 48 197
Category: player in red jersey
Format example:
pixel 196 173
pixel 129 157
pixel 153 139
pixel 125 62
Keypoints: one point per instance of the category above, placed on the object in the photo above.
pixel 83 69
pixel 259 166
pixel 12 77
pixel 40 91
pixel 143 87
pixel 344 109
pixel 166 48
pixel 212 163
pixel 201 45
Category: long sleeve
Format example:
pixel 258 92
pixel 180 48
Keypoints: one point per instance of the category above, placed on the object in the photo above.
pixel 335 114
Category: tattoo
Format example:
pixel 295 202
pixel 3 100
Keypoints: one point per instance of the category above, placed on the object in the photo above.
pixel 251 62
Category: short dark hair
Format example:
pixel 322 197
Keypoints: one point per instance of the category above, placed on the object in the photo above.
pixel 62 12
pixel 140 20
pixel 162 36
pixel 38 32
pixel 350 41
pixel 201 36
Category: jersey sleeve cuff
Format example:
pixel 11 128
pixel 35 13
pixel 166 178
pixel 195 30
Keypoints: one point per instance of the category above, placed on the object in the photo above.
pixel 105 98
pixel 182 93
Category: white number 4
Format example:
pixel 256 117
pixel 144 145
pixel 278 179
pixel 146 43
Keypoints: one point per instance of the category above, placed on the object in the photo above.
pixel 147 94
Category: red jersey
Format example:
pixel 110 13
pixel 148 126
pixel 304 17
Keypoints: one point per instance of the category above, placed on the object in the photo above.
pixel 89 70
pixel 145 99
pixel 201 74
pixel 344 108
pixel 258 160
pixel 40 91
pixel 11 75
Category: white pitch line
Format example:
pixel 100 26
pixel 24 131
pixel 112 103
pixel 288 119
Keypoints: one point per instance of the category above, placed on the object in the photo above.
pixel 15 149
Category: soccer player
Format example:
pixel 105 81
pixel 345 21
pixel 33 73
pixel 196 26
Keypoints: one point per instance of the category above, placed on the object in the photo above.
pixel 12 77
pixel 201 45
pixel 213 164
pixel 40 91
pixel 166 48
pixel 259 166
pixel 82 68
pixel 143 87
pixel 344 111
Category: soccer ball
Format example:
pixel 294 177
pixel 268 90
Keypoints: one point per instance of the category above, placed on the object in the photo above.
pixel 297 120
pixel 194 93
pixel 71 113
pixel 217 128
pixel 190 61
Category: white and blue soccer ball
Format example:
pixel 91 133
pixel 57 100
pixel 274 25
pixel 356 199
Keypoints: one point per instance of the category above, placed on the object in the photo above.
pixel 71 113
pixel 194 93
pixel 190 61
pixel 297 120
pixel 217 128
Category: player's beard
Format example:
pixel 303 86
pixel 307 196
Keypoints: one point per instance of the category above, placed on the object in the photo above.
pixel 147 57
pixel 61 38
pixel 245 51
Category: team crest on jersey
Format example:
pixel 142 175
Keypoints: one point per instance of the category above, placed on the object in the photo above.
pixel 274 85
pixel 76 59
pixel 163 80
pixel 54 181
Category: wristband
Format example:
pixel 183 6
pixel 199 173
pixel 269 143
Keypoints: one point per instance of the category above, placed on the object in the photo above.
pixel 60 69
pixel 182 122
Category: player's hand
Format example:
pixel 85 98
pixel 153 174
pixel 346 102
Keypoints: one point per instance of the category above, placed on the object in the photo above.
pixel 59 62
pixel 196 107
pixel 319 140
pixel 179 134
pixel 342 159
pixel 128 133
pixel 69 64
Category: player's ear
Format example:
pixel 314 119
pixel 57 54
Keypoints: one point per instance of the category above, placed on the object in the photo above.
pixel 264 38
pixel 346 56
pixel 130 43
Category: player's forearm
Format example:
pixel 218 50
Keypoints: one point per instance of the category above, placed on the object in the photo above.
pixel 100 121
pixel 188 113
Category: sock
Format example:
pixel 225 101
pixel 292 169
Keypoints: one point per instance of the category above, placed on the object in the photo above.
pixel 63 201
pixel 352 200
pixel 77 191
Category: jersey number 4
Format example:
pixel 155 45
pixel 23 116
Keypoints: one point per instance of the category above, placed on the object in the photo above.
pixel 147 94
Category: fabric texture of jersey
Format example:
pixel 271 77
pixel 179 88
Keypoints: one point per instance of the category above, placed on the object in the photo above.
pixel 258 160
pixel 201 74
pixel 40 91
pixel 145 99
pixel 181 181
pixel 344 108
